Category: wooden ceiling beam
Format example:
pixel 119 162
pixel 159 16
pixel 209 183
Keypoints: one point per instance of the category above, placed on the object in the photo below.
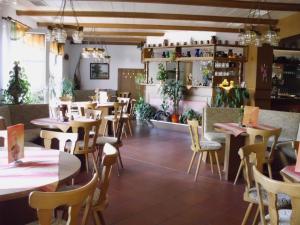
pixel 117 33
pixel 275 6
pixel 147 27
pixel 160 16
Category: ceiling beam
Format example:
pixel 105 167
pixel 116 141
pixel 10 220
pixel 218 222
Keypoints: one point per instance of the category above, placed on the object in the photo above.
pixel 275 6
pixel 139 15
pixel 117 33
pixel 146 27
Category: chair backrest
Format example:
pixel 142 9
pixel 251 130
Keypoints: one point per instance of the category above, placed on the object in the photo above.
pixel 87 125
pixel 123 94
pixel 3 135
pixel 126 102
pixel 48 136
pixel 118 109
pixel 120 126
pixel 194 132
pixel 265 136
pixel 273 188
pixel 109 158
pixel 250 155
pixel 93 114
pixel 46 202
pixel 132 104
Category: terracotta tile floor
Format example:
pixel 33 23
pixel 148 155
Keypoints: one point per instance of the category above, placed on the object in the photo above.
pixel 154 188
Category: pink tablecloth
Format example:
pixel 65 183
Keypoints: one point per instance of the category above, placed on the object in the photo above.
pixel 39 169
pixel 290 171
pixel 237 130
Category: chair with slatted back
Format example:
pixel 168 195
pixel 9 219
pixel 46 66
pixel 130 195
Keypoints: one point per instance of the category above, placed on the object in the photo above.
pixel 63 138
pixel 87 145
pixel 100 201
pixel 273 190
pixel 3 135
pixel 118 109
pixel 129 116
pixel 46 202
pixel 123 94
pixel 250 155
pixel 269 137
pixel 199 147
pixel 93 114
pixel 86 106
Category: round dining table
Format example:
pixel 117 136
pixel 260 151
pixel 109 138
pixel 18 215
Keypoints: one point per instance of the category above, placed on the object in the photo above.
pixel 40 169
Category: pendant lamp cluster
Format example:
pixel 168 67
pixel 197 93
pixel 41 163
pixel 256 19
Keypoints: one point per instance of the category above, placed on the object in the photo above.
pixel 57 32
pixel 251 36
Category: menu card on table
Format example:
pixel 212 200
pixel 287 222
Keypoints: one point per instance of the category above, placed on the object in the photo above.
pixel 15 142
pixel 250 117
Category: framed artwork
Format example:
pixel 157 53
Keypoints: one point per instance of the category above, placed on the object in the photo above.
pixel 99 71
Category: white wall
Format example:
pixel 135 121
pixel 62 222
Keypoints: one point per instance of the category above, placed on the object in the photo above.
pixel 122 56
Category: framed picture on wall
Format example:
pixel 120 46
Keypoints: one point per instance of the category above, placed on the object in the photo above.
pixel 99 71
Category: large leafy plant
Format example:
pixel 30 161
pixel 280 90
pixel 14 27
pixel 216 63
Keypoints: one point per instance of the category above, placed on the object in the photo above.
pixel 162 73
pixel 174 90
pixel 190 114
pixel 18 90
pixel 67 87
pixel 143 111
pixel 233 98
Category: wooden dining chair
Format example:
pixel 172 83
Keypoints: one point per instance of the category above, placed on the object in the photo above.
pixel 100 201
pixel 118 109
pixel 269 137
pixel 128 116
pixel 63 138
pixel 93 114
pixel 82 107
pixel 250 155
pixel 3 136
pixel 87 145
pixel 273 189
pixel 46 202
pixel 199 147
pixel 123 94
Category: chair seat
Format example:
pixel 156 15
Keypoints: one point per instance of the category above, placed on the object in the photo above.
pixel 210 145
pixel 283 200
pixel 284 217
pixel 53 222
pixel 102 140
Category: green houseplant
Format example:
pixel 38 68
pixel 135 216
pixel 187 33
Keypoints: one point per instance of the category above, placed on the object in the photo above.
pixel 190 114
pixel 67 90
pixel 162 73
pixel 18 90
pixel 143 111
pixel 174 90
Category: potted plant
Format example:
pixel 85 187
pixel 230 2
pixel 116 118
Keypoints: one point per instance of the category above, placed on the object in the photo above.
pixel 143 111
pixel 206 75
pixel 161 74
pixel 67 90
pixel 173 90
pixel 190 114
pixel 18 91
pixel 163 114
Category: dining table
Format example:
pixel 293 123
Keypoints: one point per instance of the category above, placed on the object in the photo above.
pixel 289 174
pixel 235 137
pixel 40 170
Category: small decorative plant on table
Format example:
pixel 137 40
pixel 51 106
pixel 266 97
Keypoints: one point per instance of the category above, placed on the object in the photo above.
pixel 174 91
pixel 161 74
pixel 18 91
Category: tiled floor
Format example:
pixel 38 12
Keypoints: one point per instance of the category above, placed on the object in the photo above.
pixel 154 188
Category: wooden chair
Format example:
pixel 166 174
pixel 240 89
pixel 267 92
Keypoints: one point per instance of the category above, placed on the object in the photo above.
pixel 273 189
pixel 93 114
pixel 100 201
pixel 63 138
pixel 201 147
pixel 118 109
pixel 87 105
pixel 123 94
pixel 86 145
pixel 46 202
pixel 264 136
pixel 250 155
pixel 3 135
pixel 129 116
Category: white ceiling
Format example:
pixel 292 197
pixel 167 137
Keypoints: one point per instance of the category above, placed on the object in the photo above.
pixel 139 7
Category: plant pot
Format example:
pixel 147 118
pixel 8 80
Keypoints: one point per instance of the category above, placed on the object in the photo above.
pixel 175 118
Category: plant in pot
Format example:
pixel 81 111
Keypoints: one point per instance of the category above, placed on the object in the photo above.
pixel 161 74
pixel 143 111
pixel 173 90
pixel 18 90
pixel 207 71
pixel 190 114
pixel 163 114
pixel 67 90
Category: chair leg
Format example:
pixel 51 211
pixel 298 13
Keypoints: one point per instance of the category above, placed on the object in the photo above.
pixel 124 130
pixel 247 214
pixel 191 163
pixel 114 128
pixel 105 128
pixel 96 218
pixel 270 170
pixel 120 159
pixel 218 165
pixel 101 218
pixel 211 162
pixel 87 162
pixel 256 216
pixel 198 165
pixel 129 127
pixel 238 173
